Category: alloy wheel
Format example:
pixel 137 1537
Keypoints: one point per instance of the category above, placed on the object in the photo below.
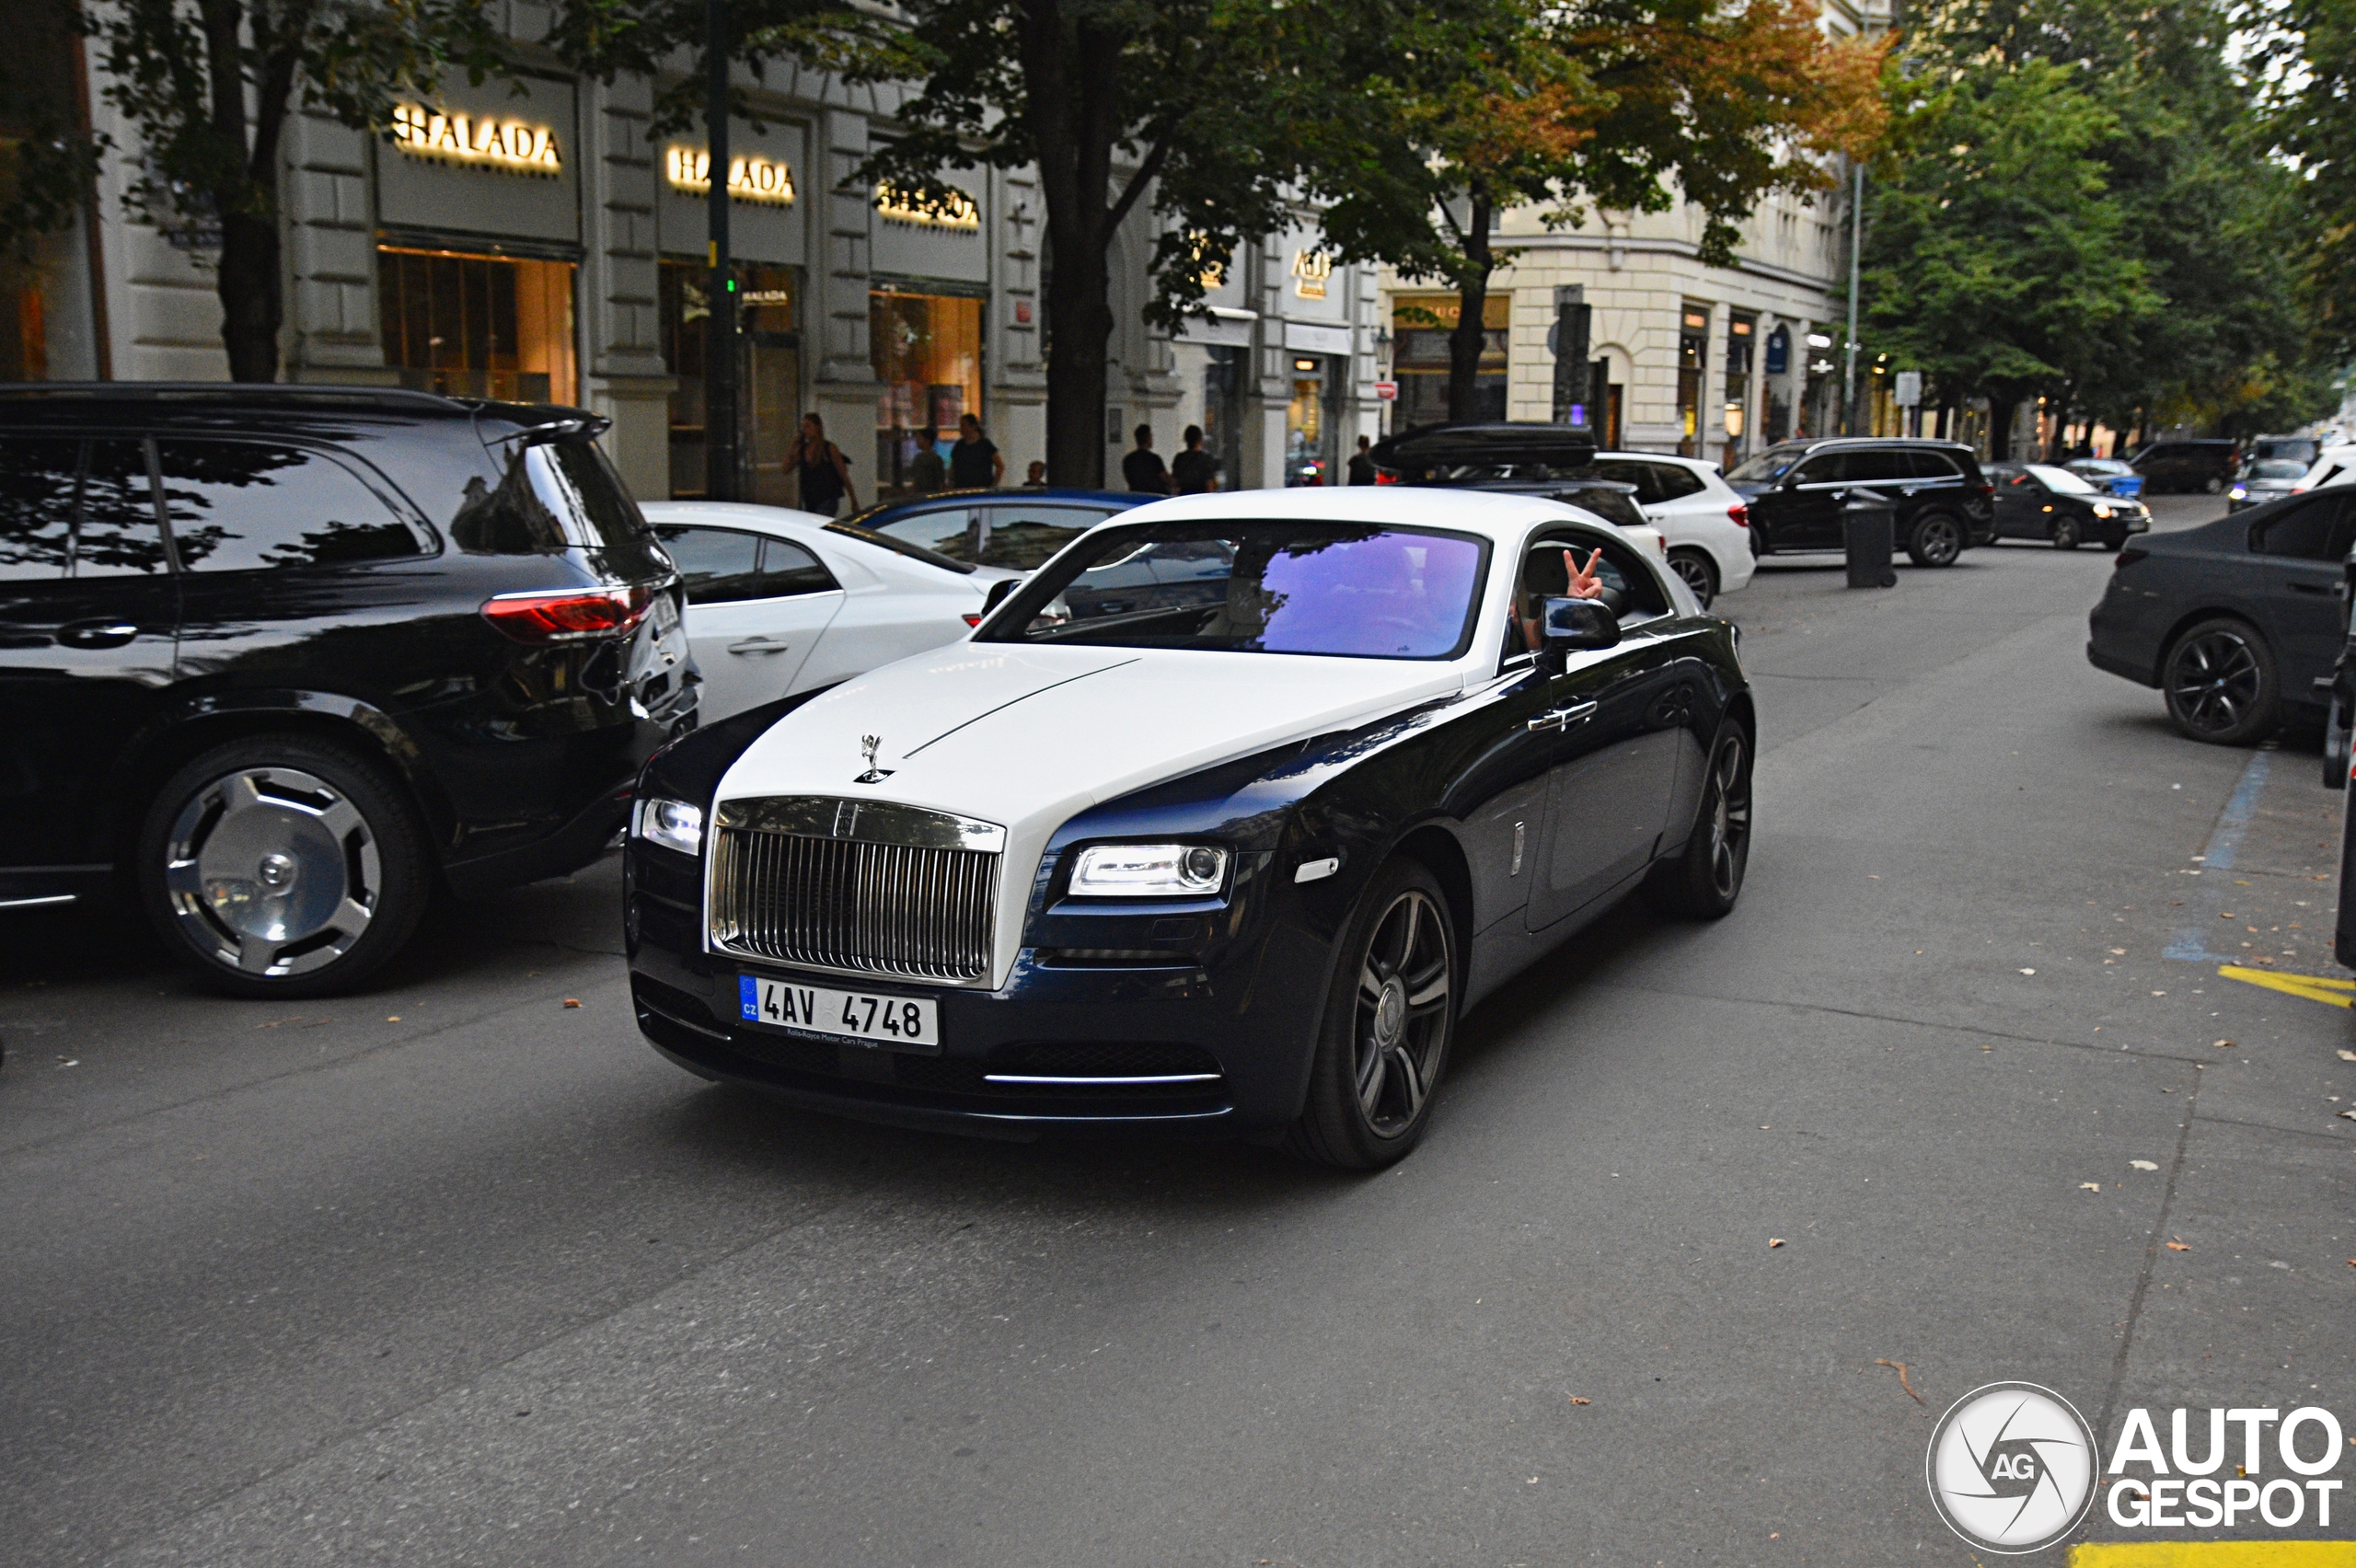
pixel 271 872
pixel 1400 1033
pixel 2214 681
pixel 1729 818
pixel 1941 541
pixel 1696 573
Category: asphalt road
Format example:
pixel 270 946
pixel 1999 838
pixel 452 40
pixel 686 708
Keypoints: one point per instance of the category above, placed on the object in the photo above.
pixel 457 1273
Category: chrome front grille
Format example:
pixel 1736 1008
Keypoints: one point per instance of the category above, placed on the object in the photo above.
pixel 819 883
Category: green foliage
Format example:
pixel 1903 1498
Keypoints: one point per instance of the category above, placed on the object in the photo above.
pixel 2116 239
pixel 2313 116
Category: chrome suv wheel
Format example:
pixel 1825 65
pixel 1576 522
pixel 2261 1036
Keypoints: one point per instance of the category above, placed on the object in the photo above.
pixel 282 867
pixel 1936 540
pixel 1388 1025
pixel 2221 685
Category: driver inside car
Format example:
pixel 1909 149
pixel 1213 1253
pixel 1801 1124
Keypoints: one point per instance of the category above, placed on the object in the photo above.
pixel 1579 582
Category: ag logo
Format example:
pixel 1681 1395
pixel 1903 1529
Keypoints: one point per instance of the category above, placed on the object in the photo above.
pixel 2012 1467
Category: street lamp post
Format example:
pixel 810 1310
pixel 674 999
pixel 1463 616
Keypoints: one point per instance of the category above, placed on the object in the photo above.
pixel 1856 242
pixel 720 324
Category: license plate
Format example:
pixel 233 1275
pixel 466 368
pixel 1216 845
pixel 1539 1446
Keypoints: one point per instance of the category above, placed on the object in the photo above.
pixel 666 614
pixel 899 1023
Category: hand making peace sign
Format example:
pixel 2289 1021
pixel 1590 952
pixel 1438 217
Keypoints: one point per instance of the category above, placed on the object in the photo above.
pixel 1584 583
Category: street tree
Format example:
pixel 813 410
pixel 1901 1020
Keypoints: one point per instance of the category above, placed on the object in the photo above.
pixel 205 88
pixel 2311 91
pixel 1627 105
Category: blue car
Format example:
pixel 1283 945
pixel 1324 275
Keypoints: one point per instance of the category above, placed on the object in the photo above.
pixel 1015 530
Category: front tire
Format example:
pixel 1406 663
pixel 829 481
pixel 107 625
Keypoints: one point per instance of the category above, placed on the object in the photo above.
pixel 2221 685
pixel 2066 533
pixel 1389 1022
pixel 282 866
pixel 1705 882
pixel 1936 540
pixel 1700 572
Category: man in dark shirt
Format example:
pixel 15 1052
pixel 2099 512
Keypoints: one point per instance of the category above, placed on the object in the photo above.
pixel 973 462
pixel 1362 466
pixel 1142 470
pixel 1193 470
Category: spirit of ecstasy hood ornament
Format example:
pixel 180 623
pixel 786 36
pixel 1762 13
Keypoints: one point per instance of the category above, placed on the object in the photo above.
pixel 874 774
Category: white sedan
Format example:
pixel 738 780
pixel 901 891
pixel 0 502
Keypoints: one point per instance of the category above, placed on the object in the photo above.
pixel 1700 515
pixel 780 601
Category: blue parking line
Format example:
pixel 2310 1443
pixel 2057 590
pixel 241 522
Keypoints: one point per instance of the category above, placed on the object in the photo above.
pixel 2192 944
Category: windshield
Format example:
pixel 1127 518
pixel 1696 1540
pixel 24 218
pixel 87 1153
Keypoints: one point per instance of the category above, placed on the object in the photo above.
pixel 1767 466
pixel 1340 589
pixel 2060 480
pixel 2274 468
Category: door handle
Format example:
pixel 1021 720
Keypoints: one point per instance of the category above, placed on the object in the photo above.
pixel 758 645
pixel 1563 718
pixel 2313 588
pixel 97 633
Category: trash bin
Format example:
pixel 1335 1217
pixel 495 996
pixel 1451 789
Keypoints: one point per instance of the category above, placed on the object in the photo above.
pixel 1868 531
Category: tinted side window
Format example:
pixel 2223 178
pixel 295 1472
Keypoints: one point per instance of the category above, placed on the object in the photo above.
pixel 2318 531
pixel 1628 588
pixel 1644 476
pixel 1673 481
pixel 1874 467
pixel 1024 535
pixel 1930 466
pixel 250 506
pixel 718 565
pixel 37 478
pixel 601 502
pixel 788 569
pixel 1611 506
pixel 1824 468
pixel 947 531
pixel 119 537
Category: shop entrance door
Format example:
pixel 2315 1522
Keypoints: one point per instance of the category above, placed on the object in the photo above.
pixel 1309 421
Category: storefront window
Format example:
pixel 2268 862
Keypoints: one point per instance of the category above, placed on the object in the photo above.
pixel 1742 332
pixel 769 376
pixel 479 325
pixel 927 350
pixel 1692 353
pixel 1223 371
pixel 1311 422
pixel 1419 327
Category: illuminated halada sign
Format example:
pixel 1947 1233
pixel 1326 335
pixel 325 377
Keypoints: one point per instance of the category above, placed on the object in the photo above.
pixel 749 178
pixel 955 212
pixel 1310 270
pixel 484 141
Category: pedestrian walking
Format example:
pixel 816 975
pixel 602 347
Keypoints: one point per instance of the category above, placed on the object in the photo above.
pixel 1362 466
pixel 973 462
pixel 1142 470
pixel 928 473
pixel 825 472
pixel 1193 470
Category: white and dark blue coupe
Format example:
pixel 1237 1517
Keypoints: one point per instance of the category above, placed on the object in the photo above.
pixel 1218 822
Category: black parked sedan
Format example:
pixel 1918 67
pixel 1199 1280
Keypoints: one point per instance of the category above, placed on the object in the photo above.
pixel 2037 500
pixel 2238 623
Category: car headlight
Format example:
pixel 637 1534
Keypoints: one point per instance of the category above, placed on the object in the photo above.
pixel 675 825
pixel 2101 511
pixel 2239 493
pixel 1148 871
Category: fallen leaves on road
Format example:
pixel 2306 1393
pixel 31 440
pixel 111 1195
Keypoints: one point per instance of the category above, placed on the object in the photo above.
pixel 2028 970
pixel 2144 1164
pixel 2090 1186
pixel 2348 1115
pixel 2347 1055
pixel 2225 1044
pixel 69 1061
pixel 572 1001
pixel 2179 1247
pixel 1899 1367
pixel 1774 1242
pixel 1576 1400
pixel 394 1019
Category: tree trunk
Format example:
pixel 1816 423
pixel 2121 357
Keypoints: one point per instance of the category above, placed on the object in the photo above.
pixel 1079 303
pixel 251 305
pixel 1465 343
pixel 2000 428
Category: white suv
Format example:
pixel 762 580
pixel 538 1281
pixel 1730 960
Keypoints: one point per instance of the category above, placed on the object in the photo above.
pixel 1704 521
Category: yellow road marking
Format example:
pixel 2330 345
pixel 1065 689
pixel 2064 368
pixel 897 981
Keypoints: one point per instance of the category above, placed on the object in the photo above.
pixel 2214 1554
pixel 2314 987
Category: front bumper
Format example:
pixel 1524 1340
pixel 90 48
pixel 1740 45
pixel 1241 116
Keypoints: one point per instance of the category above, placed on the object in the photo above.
pixel 1237 1034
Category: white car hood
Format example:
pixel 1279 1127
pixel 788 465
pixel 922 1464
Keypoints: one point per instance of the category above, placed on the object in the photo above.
pixel 1026 737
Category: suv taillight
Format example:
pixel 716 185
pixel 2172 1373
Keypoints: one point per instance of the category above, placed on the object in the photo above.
pixel 2128 557
pixel 1386 477
pixel 1984 487
pixel 572 616
pixel 1740 513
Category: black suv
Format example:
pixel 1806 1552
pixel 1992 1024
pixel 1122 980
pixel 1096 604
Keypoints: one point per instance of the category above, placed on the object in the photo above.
pixel 2187 465
pixel 1795 492
pixel 285 660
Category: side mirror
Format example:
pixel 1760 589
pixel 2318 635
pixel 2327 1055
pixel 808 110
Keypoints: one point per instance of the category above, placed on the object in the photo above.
pixel 998 593
pixel 1576 625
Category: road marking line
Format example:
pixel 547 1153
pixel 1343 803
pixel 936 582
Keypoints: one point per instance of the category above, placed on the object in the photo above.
pixel 2314 987
pixel 2214 1554
pixel 2191 943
